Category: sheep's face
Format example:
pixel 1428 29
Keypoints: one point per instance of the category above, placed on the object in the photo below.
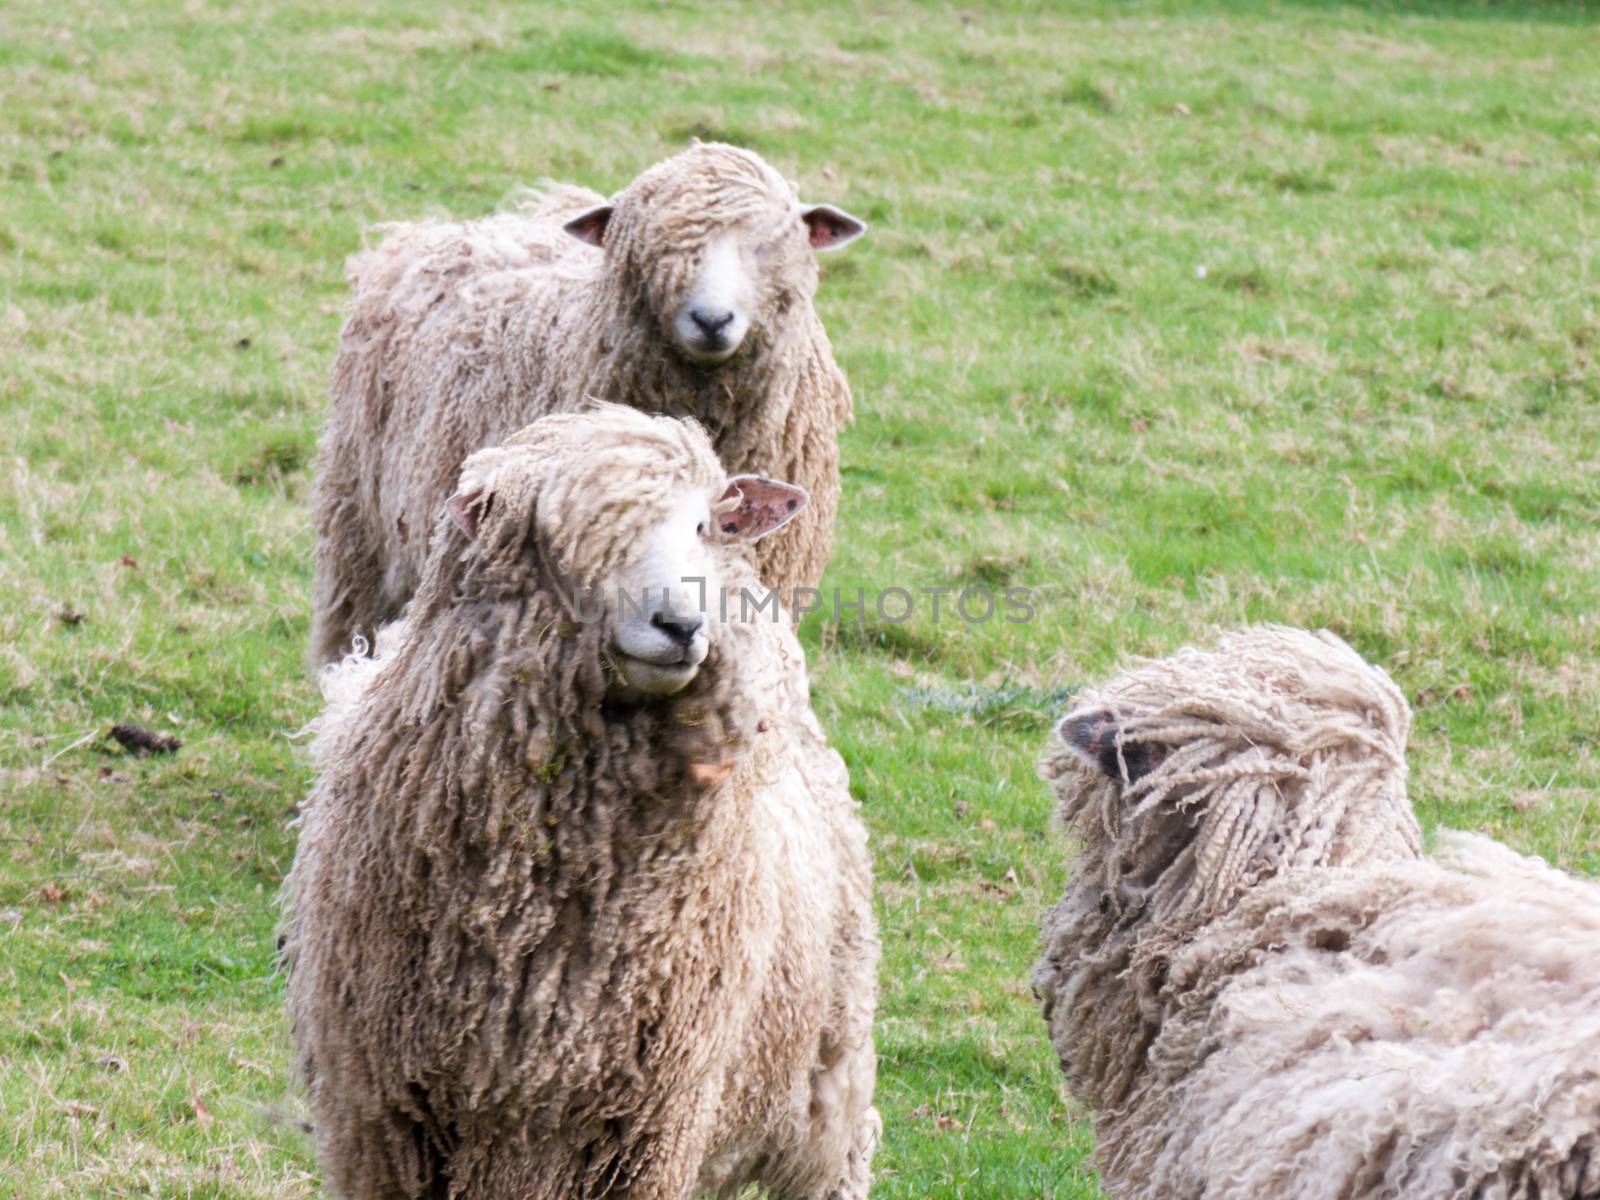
pixel 664 601
pixel 714 249
pixel 708 293
pixel 744 273
pixel 710 323
pixel 631 519
pixel 656 599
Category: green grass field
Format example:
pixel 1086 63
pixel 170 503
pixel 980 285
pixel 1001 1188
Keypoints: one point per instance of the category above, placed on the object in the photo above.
pixel 1182 315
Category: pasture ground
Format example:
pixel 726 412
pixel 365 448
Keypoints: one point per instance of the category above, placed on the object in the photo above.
pixel 1182 315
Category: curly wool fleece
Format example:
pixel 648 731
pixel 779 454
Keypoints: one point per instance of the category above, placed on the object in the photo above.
pixel 460 334
pixel 533 954
pixel 1261 985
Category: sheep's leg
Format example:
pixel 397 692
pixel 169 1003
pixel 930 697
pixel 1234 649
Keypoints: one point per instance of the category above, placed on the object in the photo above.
pixel 380 1159
pixel 498 1166
pixel 665 1163
pixel 492 1164
pixel 849 1178
pixel 858 1164
pixel 833 1159
pixel 672 1179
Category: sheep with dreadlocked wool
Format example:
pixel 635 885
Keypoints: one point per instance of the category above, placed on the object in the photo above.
pixel 581 905
pixel 689 294
pixel 1263 987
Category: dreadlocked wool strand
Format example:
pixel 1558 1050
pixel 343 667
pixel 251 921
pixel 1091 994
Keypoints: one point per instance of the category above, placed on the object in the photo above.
pixel 460 334
pixel 1259 983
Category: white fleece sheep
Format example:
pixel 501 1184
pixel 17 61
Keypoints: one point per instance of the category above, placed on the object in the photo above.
pixel 1262 987
pixel 581 904
pixel 689 294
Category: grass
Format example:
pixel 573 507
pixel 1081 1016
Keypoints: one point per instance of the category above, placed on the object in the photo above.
pixel 1180 315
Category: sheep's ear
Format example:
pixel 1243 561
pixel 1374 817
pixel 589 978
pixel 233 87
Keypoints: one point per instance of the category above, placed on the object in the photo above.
pixel 830 227
pixel 591 226
pixel 467 510
pixel 1092 734
pixel 753 506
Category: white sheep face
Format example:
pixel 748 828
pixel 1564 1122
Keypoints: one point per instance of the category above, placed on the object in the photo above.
pixel 659 611
pixel 707 297
pixel 665 602
pixel 642 530
pixel 730 285
pixel 711 323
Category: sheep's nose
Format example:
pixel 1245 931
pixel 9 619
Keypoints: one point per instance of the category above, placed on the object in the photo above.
pixel 680 628
pixel 711 321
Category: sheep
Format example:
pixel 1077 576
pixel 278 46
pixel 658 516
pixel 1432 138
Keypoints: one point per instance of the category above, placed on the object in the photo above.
pixel 581 901
pixel 689 294
pixel 1260 983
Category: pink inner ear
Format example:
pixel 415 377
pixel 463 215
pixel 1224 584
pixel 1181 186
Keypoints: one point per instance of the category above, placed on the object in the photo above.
pixel 830 227
pixel 763 506
pixel 466 511
pixel 591 226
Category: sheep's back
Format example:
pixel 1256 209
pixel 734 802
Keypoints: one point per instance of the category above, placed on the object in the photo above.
pixel 1420 1029
pixel 443 353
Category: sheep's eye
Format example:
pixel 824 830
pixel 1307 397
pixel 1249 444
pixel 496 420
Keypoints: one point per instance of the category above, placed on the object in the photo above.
pixel 700 529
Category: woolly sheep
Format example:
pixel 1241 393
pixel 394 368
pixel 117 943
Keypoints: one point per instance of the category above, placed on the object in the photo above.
pixel 1264 988
pixel 581 902
pixel 697 302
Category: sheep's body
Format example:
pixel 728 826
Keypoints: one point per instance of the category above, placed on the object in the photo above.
pixel 461 334
pixel 1425 1029
pixel 531 952
pixel 1261 985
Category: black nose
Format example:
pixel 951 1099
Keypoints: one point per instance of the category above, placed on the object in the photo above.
pixel 711 323
pixel 680 628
